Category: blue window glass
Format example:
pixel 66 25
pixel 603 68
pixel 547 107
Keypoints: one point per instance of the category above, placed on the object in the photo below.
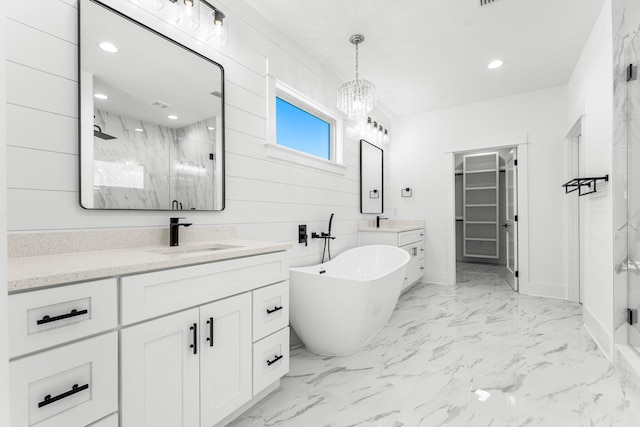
pixel 302 131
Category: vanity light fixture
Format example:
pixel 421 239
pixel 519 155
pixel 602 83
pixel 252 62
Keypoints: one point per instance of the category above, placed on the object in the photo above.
pixel 218 32
pixel 376 132
pixel 108 47
pixel 100 96
pixel 357 97
pixel 496 63
pixel 172 117
pixel 188 12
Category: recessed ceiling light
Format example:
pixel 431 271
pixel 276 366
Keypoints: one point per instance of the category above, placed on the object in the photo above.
pixel 101 96
pixel 108 47
pixel 172 117
pixel 211 128
pixel 496 63
pixel 139 130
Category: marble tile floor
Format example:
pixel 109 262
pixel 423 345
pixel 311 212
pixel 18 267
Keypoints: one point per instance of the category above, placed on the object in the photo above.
pixel 474 355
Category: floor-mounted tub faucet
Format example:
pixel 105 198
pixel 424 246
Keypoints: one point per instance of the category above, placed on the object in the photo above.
pixel 378 218
pixel 174 226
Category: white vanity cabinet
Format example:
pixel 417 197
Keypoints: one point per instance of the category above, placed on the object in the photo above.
pixel 190 346
pixel 191 368
pixel 192 363
pixel 411 241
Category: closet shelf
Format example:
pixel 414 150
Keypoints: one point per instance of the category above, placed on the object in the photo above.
pixel 478 239
pixel 481 188
pixel 482 171
pixel 482 205
pixel 481 222
pixel 579 183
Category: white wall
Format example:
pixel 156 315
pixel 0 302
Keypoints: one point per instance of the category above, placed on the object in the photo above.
pixel 266 198
pixel 4 355
pixel 419 160
pixel 590 92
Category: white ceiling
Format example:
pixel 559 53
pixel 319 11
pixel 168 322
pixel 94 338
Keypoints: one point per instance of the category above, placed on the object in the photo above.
pixel 425 55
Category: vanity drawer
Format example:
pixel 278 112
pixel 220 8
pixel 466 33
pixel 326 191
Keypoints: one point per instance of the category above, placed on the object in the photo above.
pixel 80 380
pixel 270 309
pixel 148 295
pixel 48 317
pixel 407 237
pixel 270 359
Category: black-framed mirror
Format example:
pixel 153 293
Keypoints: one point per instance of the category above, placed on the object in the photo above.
pixel 151 118
pixel 371 178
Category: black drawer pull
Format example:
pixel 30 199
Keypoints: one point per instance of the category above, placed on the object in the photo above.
pixel 72 313
pixel 271 362
pixel 210 338
pixel 276 308
pixel 75 389
pixel 194 346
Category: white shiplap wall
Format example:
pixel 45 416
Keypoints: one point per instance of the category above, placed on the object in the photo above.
pixel 4 340
pixel 266 198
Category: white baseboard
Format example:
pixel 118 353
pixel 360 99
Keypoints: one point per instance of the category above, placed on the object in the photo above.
pixel 599 334
pixel 435 277
pixel 547 290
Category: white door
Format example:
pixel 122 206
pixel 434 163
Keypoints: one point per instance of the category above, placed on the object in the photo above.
pixel 225 359
pixel 160 372
pixel 511 223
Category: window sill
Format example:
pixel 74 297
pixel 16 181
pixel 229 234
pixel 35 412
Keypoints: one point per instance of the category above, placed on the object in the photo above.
pixel 302 159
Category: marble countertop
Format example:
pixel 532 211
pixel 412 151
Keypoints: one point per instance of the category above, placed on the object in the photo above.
pixel 392 229
pixel 26 273
pixel 390 225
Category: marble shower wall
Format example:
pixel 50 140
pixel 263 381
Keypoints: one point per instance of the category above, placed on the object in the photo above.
pixel 192 169
pixel 149 169
pixel 150 150
pixel 626 163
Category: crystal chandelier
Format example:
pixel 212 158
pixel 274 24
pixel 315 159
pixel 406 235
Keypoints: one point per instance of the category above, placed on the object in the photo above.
pixel 357 97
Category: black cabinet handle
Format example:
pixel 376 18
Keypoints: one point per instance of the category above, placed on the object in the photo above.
pixel 271 362
pixel 276 308
pixel 210 338
pixel 72 313
pixel 75 389
pixel 194 346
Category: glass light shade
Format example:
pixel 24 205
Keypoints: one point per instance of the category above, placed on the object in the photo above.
pixel 149 4
pixel 356 98
pixel 188 14
pixel 218 28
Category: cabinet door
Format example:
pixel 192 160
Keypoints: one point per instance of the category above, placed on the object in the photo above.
pixel 225 358
pixel 413 268
pixel 160 372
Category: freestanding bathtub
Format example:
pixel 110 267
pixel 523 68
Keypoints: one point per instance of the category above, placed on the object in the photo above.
pixel 338 306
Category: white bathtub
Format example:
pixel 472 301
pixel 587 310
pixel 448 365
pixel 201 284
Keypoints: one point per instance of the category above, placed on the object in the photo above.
pixel 338 306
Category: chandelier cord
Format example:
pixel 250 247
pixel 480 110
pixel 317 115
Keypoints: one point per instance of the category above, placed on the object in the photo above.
pixel 357 61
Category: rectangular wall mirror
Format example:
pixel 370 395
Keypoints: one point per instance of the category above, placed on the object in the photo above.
pixel 371 178
pixel 151 118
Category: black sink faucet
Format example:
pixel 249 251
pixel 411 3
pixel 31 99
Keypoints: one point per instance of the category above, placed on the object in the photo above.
pixel 378 218
pixel 174 226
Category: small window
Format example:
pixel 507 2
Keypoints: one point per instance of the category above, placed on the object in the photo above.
pixel 301 130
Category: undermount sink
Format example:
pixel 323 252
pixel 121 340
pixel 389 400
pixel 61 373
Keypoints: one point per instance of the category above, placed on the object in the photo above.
pixel 192 249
